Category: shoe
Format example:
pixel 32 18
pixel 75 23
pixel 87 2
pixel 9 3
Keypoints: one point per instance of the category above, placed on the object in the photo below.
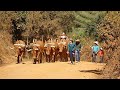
pixel 71 63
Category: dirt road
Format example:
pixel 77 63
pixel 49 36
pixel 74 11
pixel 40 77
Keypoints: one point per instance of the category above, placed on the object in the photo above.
pixel 57 70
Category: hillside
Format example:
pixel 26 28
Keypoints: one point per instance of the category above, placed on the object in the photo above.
pixel 109 35
pixel 7 54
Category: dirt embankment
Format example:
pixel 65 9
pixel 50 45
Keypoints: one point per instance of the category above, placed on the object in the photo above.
pixel 7 53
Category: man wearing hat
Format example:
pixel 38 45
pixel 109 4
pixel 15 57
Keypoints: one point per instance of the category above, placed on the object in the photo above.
pixel 71 46
pixel 63 36
pixel 77 49
pixel 95 49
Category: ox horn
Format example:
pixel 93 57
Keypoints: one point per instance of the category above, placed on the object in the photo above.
pixel 53 46
pixel 36 45
pixel 45 45
pixel 19 45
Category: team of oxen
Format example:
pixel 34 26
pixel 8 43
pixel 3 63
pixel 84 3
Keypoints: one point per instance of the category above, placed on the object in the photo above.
pixel 51 50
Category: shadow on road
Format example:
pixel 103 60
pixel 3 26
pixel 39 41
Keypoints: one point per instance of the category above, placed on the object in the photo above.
pixel 99 72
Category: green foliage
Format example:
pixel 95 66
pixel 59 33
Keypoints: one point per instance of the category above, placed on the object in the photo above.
pixel 79 32
pixel 88 20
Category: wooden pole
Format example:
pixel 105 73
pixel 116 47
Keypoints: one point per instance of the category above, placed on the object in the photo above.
pixel 42 38
pixel 33 40
pixel 27 40
pixel 27 51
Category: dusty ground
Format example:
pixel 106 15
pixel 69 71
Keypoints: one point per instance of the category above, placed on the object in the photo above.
pixel 57 70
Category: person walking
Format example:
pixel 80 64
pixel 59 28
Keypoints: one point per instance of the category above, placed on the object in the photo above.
pixel 101 55
pixel 71 46
pixel 95 49
pixel 77 50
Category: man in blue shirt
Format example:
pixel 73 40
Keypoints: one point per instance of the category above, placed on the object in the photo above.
pixel 77 49
pixel 71 46
pixel 95 49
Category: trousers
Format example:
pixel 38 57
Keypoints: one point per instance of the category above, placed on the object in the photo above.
pixel 77 55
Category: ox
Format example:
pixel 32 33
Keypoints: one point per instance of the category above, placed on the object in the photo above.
pixel 37 51
pixel 20 50
pixel 55 50
pixel 63 51
pixel 48 48
pixel 51 50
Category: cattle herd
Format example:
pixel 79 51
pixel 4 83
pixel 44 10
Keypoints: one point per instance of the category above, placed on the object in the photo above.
pixel 51 50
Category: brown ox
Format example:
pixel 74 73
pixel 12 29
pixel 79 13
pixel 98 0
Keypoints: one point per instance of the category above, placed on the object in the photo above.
pixel 37 51
pixel 48 52
pixel 63 51
pixel 20 50
pixel 51 50
pixel 55 50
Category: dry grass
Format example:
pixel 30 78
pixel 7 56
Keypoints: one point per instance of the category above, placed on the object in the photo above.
pixel 6 53
pixel 110 29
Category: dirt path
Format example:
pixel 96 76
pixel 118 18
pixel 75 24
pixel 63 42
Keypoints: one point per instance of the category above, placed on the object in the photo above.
pixel 57 70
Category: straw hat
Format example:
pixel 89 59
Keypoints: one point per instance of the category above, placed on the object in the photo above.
pixel 96 42
pixel 71 39
pixel 77 40
pixel 101 48
pixel 63 33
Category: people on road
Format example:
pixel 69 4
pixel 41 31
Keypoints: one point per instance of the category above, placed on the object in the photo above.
pixel 71 46
pixel 101 55
pixel 95 49
pixel 77 50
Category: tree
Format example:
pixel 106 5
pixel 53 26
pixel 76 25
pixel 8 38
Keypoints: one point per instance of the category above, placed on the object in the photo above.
pixel 88 20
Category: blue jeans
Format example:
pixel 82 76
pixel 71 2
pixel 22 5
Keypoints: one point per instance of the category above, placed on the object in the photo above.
pixel 77 55
pixel 71 56
pixel 94 57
